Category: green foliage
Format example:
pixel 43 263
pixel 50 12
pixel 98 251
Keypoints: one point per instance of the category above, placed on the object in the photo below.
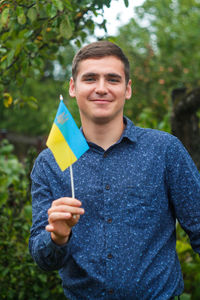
pixel 162 43
pixel 20 118
pixel 190 264
pixel 33 32
pixel 37 122
pixel 20 277
pixel 36 53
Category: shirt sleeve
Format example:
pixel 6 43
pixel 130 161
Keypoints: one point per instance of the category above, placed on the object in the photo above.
pixel 184 190
pixel 48 255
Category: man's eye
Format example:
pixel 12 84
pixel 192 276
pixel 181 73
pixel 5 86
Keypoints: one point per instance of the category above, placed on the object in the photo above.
pixel 89 79
pixel 113 79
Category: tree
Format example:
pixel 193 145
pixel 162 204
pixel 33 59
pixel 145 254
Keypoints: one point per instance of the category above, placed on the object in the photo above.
pixel 37 38
pixel 33 32
pixel 185 120
pixel 162 43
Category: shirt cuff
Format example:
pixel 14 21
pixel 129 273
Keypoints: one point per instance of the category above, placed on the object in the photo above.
pixel 49 243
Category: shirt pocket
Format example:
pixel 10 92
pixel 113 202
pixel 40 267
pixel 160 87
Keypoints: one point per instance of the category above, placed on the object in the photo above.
pixel 139 208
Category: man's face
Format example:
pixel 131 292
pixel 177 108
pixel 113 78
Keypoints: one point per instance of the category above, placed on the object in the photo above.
pixel 100 89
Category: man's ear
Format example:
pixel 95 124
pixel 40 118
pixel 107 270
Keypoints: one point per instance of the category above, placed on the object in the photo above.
pixel 72 92
pixel 128 93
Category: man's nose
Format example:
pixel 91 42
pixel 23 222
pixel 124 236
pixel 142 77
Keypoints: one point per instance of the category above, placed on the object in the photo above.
pixel 101 88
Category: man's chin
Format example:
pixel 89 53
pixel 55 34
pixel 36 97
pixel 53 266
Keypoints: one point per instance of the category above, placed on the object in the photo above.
pixel 103 119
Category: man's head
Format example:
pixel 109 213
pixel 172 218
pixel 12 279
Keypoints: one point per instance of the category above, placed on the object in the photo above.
pixel 98 50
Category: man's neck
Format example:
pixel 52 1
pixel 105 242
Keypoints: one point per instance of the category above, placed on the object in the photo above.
pixel 103 135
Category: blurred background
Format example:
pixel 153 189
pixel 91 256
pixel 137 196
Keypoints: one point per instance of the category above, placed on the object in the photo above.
pixel 38 40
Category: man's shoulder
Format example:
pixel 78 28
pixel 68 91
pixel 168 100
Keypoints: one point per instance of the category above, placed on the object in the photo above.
pixel 45 158
pixel 44 163
pixel 45 155
pixel 149 132
pixel 149 136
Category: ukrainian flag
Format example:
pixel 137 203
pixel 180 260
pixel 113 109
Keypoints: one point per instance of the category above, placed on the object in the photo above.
pixel 65 140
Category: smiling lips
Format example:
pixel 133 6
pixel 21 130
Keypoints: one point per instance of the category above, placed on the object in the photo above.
pixel 100 100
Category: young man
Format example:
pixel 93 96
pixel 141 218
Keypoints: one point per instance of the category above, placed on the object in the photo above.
pixel 117 240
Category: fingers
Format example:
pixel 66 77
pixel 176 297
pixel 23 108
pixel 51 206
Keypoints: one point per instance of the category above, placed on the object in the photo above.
pixel 65 210
pixel 66 201
pixel 67 223
pixel 56 216
pixel 49 228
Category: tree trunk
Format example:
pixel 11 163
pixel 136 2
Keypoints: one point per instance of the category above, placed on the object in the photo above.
pixel 185 120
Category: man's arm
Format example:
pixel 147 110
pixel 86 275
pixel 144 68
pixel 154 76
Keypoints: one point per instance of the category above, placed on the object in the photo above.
pixel 184 191
pixel 52 221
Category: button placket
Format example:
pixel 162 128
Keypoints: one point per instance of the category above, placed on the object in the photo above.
pixel 107 191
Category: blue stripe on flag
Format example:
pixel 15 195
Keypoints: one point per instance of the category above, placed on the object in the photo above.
pixel 70 131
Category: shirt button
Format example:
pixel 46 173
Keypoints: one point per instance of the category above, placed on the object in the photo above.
pixel 107 186
pixel 111 291
pixel 109 220
pixel 105 155
pixel 110 256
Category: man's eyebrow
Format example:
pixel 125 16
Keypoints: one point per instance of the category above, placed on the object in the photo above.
pixel 115 75
pixel 89 74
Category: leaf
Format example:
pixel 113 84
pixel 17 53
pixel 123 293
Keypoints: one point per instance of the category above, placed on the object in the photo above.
pixel 25 66
pixel 68 5
pixel 21 18
pixel 78 43
pixel 38 63
pixel 185 296
pixel 3 58
pixel 30 101
pixel 3 197
pixel 10 57
pixel 31 47
pixel 4 36
pixel 7 101
pixel 28 211
pixel 51 10
pixel 182 247
pixel 25 33
pixel 3 182
pixel 58 4
pixel 5 16
pixel 66 29
pixel 126 3
pixel 3 50
pixel 32 14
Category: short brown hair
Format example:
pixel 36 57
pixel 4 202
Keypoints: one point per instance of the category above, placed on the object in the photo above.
pixel 98 50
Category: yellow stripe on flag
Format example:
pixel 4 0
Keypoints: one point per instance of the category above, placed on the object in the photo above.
pixel 60 148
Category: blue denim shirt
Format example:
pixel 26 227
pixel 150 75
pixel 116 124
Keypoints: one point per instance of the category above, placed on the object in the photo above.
pixel 124 246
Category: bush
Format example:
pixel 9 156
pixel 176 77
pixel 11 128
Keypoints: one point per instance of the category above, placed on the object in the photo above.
pixel 20 277
pixel 190 265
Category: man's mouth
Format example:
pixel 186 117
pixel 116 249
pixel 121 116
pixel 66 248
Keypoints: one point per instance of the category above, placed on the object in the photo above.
pixel 101 100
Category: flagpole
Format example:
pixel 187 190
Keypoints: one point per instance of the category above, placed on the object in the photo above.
pixel 72 181
pixel 71 170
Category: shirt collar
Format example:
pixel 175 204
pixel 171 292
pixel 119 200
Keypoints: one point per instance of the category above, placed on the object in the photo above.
pixel 129 131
